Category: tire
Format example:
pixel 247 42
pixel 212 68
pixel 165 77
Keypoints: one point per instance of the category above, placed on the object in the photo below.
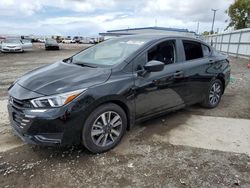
pixel 98 136
pixel 213 95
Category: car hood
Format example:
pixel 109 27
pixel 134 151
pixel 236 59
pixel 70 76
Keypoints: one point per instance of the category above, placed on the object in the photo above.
pixel 62 77
pixel 11 44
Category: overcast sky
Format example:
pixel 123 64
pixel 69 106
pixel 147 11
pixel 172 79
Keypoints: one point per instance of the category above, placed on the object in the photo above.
pixel 89 17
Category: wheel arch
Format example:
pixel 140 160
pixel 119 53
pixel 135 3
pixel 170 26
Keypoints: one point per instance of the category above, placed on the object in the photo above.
pixel 222 79
pixel 118 100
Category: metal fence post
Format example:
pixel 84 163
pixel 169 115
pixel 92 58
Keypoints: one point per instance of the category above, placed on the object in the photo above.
pixel 216 42
pixel 229 42
pixel 238 47
pixel 221 41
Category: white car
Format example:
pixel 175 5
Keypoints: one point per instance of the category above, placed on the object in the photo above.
pixel 15 45
pixel 67 41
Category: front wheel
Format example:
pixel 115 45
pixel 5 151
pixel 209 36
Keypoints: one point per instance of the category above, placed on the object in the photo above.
pixel 213 95
pixel 104 128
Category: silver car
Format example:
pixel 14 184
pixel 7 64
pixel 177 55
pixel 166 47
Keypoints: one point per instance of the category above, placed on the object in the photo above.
pixel 14 45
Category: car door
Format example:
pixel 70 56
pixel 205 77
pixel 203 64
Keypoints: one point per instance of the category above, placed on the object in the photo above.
pixel 26 44
pixel 197 64
pixel 157 92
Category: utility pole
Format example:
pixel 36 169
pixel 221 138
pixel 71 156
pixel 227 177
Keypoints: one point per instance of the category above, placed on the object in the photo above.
pixel 198 26
pixel 214 10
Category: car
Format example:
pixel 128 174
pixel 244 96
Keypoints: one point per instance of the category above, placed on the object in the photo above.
pixel 68 41
pixel 84 40
pixel 51 44
pixel 15 45
pixel 92 41
pixel 95 96
pixel 76 39
pixel 41 40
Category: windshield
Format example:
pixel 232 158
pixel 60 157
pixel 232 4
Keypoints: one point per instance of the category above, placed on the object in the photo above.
pixel 51 40
pixel 12 41
pixel 110 52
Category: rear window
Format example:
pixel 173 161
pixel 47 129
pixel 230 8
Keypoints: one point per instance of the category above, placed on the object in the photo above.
pixel 193 50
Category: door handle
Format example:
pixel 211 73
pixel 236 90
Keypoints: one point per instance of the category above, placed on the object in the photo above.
pixel 211 61
pixel 179 74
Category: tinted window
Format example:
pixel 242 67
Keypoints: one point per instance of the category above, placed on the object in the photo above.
pixel 164 52
pixel 206 50
pixel 193 50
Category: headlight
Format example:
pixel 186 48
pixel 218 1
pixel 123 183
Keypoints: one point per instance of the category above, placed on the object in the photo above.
pixel 56 100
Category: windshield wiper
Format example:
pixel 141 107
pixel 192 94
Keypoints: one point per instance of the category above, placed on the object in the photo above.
pixel 70 60
pixel 85 65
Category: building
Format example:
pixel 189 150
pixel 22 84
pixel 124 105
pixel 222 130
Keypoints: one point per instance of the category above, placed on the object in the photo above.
pixel 147 30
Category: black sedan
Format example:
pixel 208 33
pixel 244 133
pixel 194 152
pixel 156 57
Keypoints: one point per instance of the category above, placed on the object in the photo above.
pixel 96 95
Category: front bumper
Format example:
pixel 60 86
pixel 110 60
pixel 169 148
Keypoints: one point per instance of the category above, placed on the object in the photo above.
pixel 16 49
pixel 45 127
pixel 52 47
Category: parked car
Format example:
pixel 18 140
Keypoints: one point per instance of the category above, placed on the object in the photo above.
pixel 96 95
pixel 76 39
pixel 15 45
pixel 41 40
pixel 68 41
pixel 92 41
pixel 51 44
pixel 84 41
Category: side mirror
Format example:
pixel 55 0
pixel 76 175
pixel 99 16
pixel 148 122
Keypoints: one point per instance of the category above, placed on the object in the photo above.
pixel 154 66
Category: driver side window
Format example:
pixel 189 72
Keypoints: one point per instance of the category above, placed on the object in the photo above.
pixel 164 52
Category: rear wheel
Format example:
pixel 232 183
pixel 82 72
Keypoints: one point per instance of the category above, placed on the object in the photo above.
pixel 104 128
pixel 213 95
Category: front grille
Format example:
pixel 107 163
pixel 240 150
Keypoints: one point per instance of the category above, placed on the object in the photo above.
pixel 20 119
pixel 19 104
pixel 18 115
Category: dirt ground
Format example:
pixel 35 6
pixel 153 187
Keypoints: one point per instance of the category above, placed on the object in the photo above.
pixel 139 160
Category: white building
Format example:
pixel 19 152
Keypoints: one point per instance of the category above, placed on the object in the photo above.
pixel 147 30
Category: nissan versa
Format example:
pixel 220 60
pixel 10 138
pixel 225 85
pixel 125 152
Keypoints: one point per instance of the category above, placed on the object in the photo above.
pixel 97 94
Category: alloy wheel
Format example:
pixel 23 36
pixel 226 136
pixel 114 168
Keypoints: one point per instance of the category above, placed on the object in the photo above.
pixel 106 128
pixel 215 93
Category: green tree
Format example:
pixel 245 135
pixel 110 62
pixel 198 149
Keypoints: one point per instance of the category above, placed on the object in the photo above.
pixel 205 33
pixel 239 13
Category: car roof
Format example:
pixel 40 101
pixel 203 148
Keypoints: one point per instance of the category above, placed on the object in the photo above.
pixel 159 37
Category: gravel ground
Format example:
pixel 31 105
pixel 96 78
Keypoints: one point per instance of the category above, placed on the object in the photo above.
pixel 139 160
pixel 236 100
pixel 14 65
